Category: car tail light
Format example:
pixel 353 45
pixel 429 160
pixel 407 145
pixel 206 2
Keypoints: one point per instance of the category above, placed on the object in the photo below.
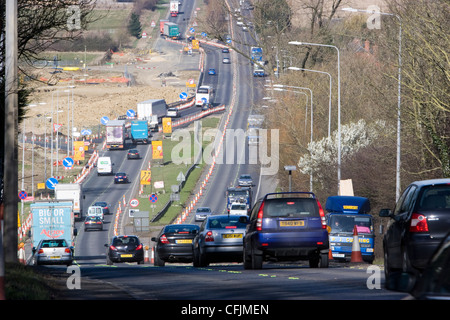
pixel 163 239
pixel 322 215
pixel 260 217
pixel 41 251
pixel 139 247
pixel 418 223
pixel 112 248
pixel 67 250
pixel 209 236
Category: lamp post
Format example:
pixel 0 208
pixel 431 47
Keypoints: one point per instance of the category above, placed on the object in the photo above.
pixel 399 93
pixel 329 98
pixel 298 43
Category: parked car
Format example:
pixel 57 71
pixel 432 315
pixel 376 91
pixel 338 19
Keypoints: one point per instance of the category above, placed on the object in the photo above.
pixel 133 154
pixel 219 240
pixel 420 222
pixel 120 177
pixel 53 251
pixel 202 213
pixel 286 226
pixel 93 223
pixel 245 180
pixel 174 243
pixel 104 205
pixel 124 248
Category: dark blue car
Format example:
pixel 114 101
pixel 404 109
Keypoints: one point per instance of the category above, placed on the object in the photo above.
pixel 286 226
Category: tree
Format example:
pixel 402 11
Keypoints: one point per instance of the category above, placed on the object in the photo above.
pixel 134 26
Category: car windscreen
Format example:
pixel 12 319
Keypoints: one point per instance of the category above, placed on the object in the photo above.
pixel 225 222
pixel 346 223
pixel 291 207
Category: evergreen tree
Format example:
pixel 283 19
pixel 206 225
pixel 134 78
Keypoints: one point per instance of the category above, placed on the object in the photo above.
pixel 134 26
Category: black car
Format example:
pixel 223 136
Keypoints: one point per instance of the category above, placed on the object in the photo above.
pixel 104 205
pixel 93 223
pixel 421 219
pixel 286 226
pixel 120 177
pixel 124 248
pixel 174 243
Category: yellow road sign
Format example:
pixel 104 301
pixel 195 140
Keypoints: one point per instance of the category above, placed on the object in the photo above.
pixel 146 177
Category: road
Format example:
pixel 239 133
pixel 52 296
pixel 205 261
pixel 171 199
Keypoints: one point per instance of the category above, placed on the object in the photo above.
pixel 292 281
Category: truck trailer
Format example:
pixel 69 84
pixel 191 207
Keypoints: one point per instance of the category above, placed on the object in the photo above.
pixel 71 192
pixel 115 135
pixel 152 110
pixel 139 131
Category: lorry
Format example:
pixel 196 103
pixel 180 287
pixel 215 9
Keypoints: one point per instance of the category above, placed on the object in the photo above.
pixel 203 95
pixel 345 214
pixel 152 110
pixel 256 54
pixel 71 192
pixel 52 220
pixel 173 8
pixel 171 30
pixel 241 195
pixel 115 135
pixel 139 131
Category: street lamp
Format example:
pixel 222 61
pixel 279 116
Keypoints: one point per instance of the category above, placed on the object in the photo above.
pixel 399 96
pixel 298 43
pixel 329 98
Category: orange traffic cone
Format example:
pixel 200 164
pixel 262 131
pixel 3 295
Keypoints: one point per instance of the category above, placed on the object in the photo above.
pixel 356 248
pixel 330 255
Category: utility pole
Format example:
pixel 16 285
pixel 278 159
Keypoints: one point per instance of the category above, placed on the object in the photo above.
pixel 10 177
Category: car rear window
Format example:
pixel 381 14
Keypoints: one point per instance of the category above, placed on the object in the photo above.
pixel 435 197
pixel 224 222
pixel 54 243
pixel 291 207
pixel 180 228
pixel 125 241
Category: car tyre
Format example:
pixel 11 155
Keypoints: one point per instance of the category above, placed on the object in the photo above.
pixel 109 261
pixel 246 259
pixel 158 262
pixel 256 260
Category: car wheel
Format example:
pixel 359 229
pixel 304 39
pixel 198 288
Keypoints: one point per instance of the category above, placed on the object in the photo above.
pixel 196 258
pixel 158 262
pixel 323 260
pixel 109 261
pixel 256 260
pixel 246 259
pixel 202 260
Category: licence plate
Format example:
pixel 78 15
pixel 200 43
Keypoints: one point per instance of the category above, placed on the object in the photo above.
pixel 184 241
pixel 232 235
pixel 55 257
pixel 292 223
pixel 126 255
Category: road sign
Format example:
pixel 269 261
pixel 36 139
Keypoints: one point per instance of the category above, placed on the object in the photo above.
pixel 153 198
pixel 23 195
pixel 104 120
pixel 146 177
pixel 204 100
pixel 51 183
pixel 134 203
pixel 131 113
pixel 181 177
pixel 68 162
pixel 183 96
pixel 86 132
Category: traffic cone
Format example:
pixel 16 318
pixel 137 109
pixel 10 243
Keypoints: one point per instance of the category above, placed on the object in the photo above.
pixel 146 259
pixel 330 255
pixel 356 248
pixel 152 261
pixel 21 254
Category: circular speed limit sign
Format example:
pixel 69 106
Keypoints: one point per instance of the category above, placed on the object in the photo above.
pixel 134 203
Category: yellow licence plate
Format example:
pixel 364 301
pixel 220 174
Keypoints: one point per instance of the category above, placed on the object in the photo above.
pixel 126 255
pixel 55 257
pixel 232 235
pixel 184 241
pixel 295 223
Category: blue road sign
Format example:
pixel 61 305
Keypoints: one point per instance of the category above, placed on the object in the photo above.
pixel 204 100
pixel 23 195
pixel 131 113
pixel 86 132
pixel 183 95
pixel 191 30
pixel 153 198
pixel 104 120
pixel 51 183
pixel 68 162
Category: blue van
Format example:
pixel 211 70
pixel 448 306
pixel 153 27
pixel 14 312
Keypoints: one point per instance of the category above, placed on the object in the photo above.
pixel 344 213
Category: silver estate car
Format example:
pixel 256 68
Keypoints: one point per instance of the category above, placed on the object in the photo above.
pixel 53 251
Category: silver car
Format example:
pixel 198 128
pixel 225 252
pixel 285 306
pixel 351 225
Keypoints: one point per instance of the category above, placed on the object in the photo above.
pixel 202 213
pixel 220 240
pixel 53 251
pixel 245 180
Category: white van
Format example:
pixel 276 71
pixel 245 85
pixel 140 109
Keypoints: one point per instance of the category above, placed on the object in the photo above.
pixel 95 211
pixel 203 95
pixel 104 166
